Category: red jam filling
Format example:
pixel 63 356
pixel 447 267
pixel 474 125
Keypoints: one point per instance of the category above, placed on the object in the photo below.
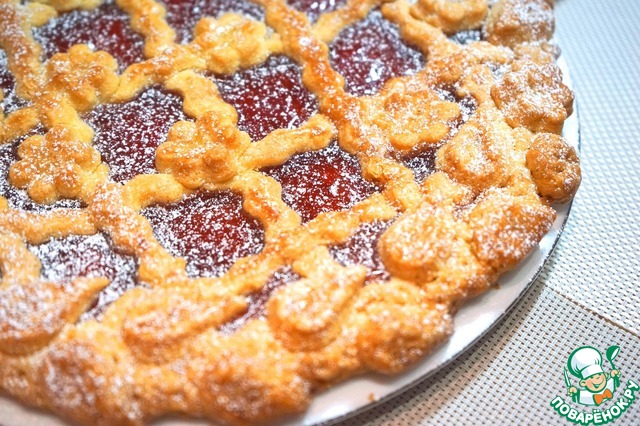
pixel 423 162
pixel 64 259
pixel 269 96
pixel 315 8
pixel 360 249
pixel 257 301
pixel 127 134
pixel 103 28
pixel 10 101
pixel 321 181
pixel 467 104
pixel 183 15
pixel 370 52
pixel 209 228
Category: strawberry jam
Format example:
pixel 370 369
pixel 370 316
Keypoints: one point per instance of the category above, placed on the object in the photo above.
pixel 314 8
pixel 467 104
pixel 360 249
pixel 269 96
pixel 64 259
pixel 210 229
pixel 18 198
pixel 370 52
pixel 127 134
pixel 183 15
pixel 321 181
pixel 10 101
pixel 423 162
pixel 103 28
pixel 257 301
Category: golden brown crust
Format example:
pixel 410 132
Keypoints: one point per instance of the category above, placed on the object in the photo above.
pixel 534 97
pixel 512 22
pixel 452 16
pixel 554 167
pixel 162 348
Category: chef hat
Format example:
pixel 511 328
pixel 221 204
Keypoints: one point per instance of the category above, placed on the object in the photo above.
pixel 584 362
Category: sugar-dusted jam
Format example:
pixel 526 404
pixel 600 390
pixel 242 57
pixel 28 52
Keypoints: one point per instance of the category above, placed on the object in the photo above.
pixel 269 96
pixel 370 52
pixel 183 15
pixel 127 134
pixel 103 28
pixel 64 259
pixel 361 249
pixel 10 100
pixel 467 104
pixel 257 301
pixel 314 8
pixel 209 228
pixel 422 162
pixel 466 36
pixel 321 181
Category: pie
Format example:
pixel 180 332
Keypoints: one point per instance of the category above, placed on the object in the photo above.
pixel 219 208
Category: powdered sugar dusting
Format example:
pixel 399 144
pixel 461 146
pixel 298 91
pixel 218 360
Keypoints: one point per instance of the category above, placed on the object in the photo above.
pixel 361 249
pixel 18 198
pixel 314 8
pixel 466 36
pixel 64 259
pixel 183 15
pixel 257 301
pixel 467 104
pixel 371 52
pixel 104 28
pixel 210 229
pixel 11 101
pixel 269 96
pixel 423 163
pixel 321 181
pixel 127 134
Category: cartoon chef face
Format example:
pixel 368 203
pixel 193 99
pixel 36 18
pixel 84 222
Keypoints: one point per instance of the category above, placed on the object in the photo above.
pixel 595 383
pixel 586 363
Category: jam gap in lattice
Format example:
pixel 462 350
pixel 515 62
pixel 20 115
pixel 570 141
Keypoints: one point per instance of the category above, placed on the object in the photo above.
pixel 370 52
pixel 321 181
pixel 361 249
pixel 183 15
pixel 10 101
pixel 127 134
pixel 106 27
pixel 466 36
pixel 421 162
pixel 314 8
pixel 210 229
pixel 268 96
pixel 422 159
pixel 257 301
pixel 64 259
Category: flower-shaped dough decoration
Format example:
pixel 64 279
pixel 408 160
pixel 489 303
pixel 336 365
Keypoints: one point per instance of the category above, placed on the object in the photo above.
pixel 56 165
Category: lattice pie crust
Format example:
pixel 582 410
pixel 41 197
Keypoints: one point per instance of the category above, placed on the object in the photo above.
pixel 248 325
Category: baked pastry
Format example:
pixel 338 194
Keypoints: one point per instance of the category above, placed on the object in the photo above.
pixel 219 208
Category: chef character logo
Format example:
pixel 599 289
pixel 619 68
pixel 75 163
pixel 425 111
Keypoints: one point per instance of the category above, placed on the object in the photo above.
pixel 596 385
pixel 595 388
